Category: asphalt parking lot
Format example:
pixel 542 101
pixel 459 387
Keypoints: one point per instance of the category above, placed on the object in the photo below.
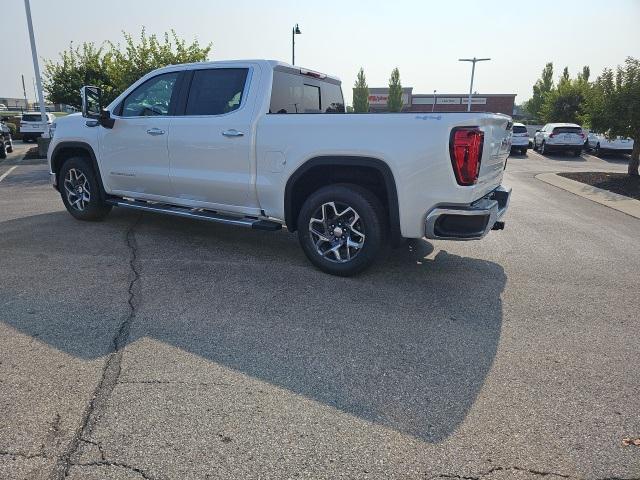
pixel 159 348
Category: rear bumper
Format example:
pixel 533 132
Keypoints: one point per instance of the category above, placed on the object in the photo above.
pixel 563 147
pixel 469 222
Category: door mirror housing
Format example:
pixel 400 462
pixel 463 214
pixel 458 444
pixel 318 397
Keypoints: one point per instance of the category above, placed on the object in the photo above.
pixel 92 106
pixel 91 101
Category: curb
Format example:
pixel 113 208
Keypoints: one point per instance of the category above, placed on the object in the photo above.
pixel 623 204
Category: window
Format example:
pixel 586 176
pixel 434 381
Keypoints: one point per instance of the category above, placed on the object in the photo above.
pixel 311 99
pixel 519 129
pixel 567 130
pixel 152 98
pixel 216 91
pixel 296 93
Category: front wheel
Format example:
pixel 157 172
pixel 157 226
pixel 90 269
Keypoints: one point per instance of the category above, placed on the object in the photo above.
pixel 80 192
pixel 342 229
pixel 3 150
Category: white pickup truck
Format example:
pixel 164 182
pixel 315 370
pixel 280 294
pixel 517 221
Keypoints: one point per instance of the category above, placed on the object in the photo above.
pixel 263 144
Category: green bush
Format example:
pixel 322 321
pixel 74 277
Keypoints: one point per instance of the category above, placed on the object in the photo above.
pixel 12 128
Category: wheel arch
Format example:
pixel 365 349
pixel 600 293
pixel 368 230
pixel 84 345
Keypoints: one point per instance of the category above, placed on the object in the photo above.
pixel 325 170
pixel 65 150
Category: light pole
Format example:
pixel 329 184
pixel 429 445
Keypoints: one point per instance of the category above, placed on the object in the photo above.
pixel 36 67
pixel 433 107
pixel 473 71
pixel 294 31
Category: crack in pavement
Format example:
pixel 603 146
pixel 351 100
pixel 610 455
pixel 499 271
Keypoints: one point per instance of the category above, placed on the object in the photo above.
pixel 139 471
pixel 532 471
pixel 111 370
pixel 8 453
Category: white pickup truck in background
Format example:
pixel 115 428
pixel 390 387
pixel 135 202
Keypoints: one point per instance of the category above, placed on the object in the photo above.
pixel 264 144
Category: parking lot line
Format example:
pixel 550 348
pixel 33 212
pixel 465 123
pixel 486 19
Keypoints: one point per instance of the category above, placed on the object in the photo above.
pixel 6 174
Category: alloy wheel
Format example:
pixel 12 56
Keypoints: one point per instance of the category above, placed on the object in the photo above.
pixel 77 189
pixel 337 232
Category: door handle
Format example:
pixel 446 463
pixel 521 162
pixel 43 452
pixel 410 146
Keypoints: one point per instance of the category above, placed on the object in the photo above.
pixel 232 133
pixel 155 131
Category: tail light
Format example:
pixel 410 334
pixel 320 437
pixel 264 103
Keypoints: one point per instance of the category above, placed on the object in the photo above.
pixel 552 135
pixel 465 148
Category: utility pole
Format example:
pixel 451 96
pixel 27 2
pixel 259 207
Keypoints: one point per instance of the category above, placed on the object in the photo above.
pixel 24 92
pixel 473 60
pixel 36 67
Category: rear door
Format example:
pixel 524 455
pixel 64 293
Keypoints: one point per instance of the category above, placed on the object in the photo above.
pixel 210 143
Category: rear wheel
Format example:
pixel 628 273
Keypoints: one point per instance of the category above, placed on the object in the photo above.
pixel 342 228
pixel 79 189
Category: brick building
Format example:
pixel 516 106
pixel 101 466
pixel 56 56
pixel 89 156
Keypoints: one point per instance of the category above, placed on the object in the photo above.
pixel 493 102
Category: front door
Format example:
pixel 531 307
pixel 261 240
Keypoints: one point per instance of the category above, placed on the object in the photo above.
pixel 134 153
pixel 210 145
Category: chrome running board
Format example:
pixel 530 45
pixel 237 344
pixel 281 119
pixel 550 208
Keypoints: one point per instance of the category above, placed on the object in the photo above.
pixel 195 213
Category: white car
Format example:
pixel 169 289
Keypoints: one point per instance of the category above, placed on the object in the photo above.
pixel 520 138
pixel 564 137
pixel 32 126
pixel 262 144
pixel 600 144
pixel 3 107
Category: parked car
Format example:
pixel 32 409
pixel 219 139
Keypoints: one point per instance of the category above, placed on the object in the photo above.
pixel 3 107
pixel 601 145
pixel 32 126
pixel 262 144
pixel 6 142
pixel 565 137
pixel 520 139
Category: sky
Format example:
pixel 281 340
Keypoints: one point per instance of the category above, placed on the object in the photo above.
pixel 424 39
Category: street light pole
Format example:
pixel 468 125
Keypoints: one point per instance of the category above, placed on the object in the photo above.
pixel 36 67
pixel 294 31
pixel 473 60
pixel 433 107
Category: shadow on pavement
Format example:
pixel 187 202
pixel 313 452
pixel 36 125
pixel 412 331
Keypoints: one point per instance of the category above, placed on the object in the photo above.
pixel 407 345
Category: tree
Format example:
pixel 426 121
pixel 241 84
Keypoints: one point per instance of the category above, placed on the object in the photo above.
pixel 542 87
pixel 113 68
pixel 613 106
pixel 565 102
pixel 361 93
pixel 394 101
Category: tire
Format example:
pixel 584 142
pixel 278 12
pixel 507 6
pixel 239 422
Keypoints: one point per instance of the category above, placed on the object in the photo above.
pixel 535 146
pixel 339 214
pixel 10 147
pixel 79 190
pixel 523 152
pixel 3 150
pixel 596 151
pixel 542 149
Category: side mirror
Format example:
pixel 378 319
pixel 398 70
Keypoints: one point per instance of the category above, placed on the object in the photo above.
pixel 538 131
pixel 91 101
pixel 92 106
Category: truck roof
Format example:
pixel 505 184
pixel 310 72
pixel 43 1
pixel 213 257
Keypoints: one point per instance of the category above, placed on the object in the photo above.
pixel 272 64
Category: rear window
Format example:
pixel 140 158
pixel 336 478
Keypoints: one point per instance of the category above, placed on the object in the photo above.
pixel 567 130
pixel 295 93
pixel 519 129
pixel 31 117
pixel 216 91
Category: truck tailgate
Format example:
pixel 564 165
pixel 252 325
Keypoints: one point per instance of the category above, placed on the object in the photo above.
pixel 497 146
